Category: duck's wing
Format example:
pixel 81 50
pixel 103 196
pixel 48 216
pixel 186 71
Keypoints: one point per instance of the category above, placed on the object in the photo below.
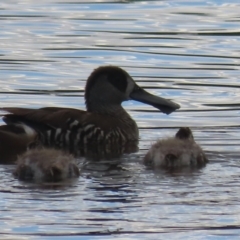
pixel 61 118
pixel 52 116
pixel 13 141
pixel 49 117
pixel 23 126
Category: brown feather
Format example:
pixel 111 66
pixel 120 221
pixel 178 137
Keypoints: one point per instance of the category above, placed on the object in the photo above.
pixel 57 117
pixel 12 144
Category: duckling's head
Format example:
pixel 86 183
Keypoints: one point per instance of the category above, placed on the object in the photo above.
pixel 109 86
pixel 46 165
pixel 178 151
pixel 184 133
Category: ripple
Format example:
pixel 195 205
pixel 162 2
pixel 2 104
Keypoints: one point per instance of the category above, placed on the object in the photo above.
pixel 187 51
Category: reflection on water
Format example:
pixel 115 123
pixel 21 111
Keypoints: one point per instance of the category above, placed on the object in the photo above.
pixel 183 50
pixel 106 151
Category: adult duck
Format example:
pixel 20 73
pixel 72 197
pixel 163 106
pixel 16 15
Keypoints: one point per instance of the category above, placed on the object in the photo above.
pixel 105 120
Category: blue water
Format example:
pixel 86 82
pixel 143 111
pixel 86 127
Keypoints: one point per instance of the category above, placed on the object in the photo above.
pixel 187 51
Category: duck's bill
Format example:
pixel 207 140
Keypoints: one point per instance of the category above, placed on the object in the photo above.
pixel 165 105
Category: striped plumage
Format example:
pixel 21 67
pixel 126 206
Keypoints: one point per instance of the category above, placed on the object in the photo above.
pixel 104 122
pixel 76 133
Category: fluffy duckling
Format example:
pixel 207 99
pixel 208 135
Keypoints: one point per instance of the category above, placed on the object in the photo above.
pixel 46 164
pixel 178 151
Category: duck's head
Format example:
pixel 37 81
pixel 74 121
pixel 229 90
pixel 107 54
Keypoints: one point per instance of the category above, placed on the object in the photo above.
pixel 111 85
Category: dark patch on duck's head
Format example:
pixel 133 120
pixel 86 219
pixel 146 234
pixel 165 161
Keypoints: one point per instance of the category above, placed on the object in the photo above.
pixel 184 133
pixel 115 75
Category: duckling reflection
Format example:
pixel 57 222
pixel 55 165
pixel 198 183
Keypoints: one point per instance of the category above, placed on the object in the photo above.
pixel 46 164
pixel 178 151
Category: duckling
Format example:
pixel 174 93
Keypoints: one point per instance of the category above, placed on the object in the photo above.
pixel 46 164
pixel 178 151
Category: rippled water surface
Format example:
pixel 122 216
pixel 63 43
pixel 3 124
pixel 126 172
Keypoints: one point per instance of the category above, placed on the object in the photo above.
pixel 188 51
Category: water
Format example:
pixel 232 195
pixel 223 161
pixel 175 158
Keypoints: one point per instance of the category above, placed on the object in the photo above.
pixel 184 50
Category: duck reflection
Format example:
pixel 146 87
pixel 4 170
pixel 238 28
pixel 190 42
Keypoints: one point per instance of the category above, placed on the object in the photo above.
pixel 106 151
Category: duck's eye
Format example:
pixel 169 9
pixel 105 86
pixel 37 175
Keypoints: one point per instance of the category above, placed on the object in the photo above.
pixel 119 81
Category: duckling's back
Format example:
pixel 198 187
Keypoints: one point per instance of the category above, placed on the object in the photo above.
pixel 46 165
pixel 178 151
